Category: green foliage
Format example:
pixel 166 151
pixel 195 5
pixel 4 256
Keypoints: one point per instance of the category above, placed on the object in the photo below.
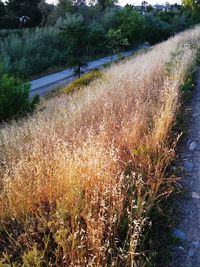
pixel 66 6
pixel 132 25
pixel 8 22
pixel 194 6
pixel 33 52
pixel 84 80
pixel 32 258
pixel 45 10
pixel 14 98
pixel 106 3
pixel 116 40
pixel 156 30
pixel 75 31
pixel 125 28
pixel 167 15
pixel 28 8
pixel 177 19
pixel 2 9
pixel 109 19
pixel 7 32
pixel 159 239
pixel 97 38
pixel 87 32
pixel 189 84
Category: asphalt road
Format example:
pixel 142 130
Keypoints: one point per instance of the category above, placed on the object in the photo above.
pixel 51 82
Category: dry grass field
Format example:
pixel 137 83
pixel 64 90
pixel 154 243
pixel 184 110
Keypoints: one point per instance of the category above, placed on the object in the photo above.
pixel 79 178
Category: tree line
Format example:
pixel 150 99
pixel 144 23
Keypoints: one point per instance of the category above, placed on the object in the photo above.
pixel 32 13
pixel 75 31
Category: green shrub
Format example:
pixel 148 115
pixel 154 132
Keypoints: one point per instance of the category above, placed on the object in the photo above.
pixel 32 51
pixel 14 98
pixel 156 29
pixel 83 81
pixel 32 258
pixel 9 22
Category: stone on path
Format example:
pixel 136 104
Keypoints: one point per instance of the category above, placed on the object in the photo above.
pixel 195 195
pixel 188 166
pixel 180 234
pixel 193 249
pixel 191 253
pixel 195 115
pixel 192 146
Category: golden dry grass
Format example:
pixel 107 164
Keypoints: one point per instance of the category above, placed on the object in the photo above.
pixel 79 178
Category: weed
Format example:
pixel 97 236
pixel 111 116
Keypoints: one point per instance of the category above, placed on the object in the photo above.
pixel 84 80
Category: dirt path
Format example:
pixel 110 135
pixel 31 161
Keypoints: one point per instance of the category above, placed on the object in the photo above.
pixel 188 253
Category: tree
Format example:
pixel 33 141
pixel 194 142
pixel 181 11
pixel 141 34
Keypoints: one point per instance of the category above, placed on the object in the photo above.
pixel 132 25
pixel 191 3
pixel 75 32
pixel 16 5
pixel 156 30
pixel 109 19
pixel 2 9
pixel 66 6
pixel 149 8
pixel 97 38
pixel 45 10
pixel 144 5
pixel 194 5
pixel 116 40
pixel 27 8
pixel 106 3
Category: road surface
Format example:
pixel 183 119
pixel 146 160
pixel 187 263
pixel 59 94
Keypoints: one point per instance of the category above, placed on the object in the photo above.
pixel 51 82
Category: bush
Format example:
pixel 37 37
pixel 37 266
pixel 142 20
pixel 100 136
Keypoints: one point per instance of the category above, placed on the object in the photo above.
pixel 32 52
pixel 7 32
pixel 14 98
pixel 83 81
pixel 132 25
pixel 116 40
pixel 9 22
pixel 97 38
pixel 157 30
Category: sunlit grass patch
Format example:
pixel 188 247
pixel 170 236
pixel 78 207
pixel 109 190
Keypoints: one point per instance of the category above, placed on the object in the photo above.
pixel 80 178
pixel 84 80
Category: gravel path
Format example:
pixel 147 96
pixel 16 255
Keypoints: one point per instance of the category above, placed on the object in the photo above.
pixel 188 253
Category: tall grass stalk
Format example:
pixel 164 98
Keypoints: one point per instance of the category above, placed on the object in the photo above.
pixel 79 179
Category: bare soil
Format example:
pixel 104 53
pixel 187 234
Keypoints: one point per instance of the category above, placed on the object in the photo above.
pixel 188 230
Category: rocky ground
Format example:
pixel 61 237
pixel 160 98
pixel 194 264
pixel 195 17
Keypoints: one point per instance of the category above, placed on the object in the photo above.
pixel 188 230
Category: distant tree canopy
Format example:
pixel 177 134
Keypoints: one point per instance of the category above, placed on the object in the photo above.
pixel 19 8
pixel 2 9
pixel 132 25
pixel 15 5
pixel 194 5
pixel 45 10
pixel 106 3
pixel 82 30
pixel 66 6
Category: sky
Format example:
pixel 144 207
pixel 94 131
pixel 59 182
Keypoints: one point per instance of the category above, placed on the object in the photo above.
pixel 136 2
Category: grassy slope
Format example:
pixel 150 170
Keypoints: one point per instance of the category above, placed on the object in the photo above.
pixel 79 179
